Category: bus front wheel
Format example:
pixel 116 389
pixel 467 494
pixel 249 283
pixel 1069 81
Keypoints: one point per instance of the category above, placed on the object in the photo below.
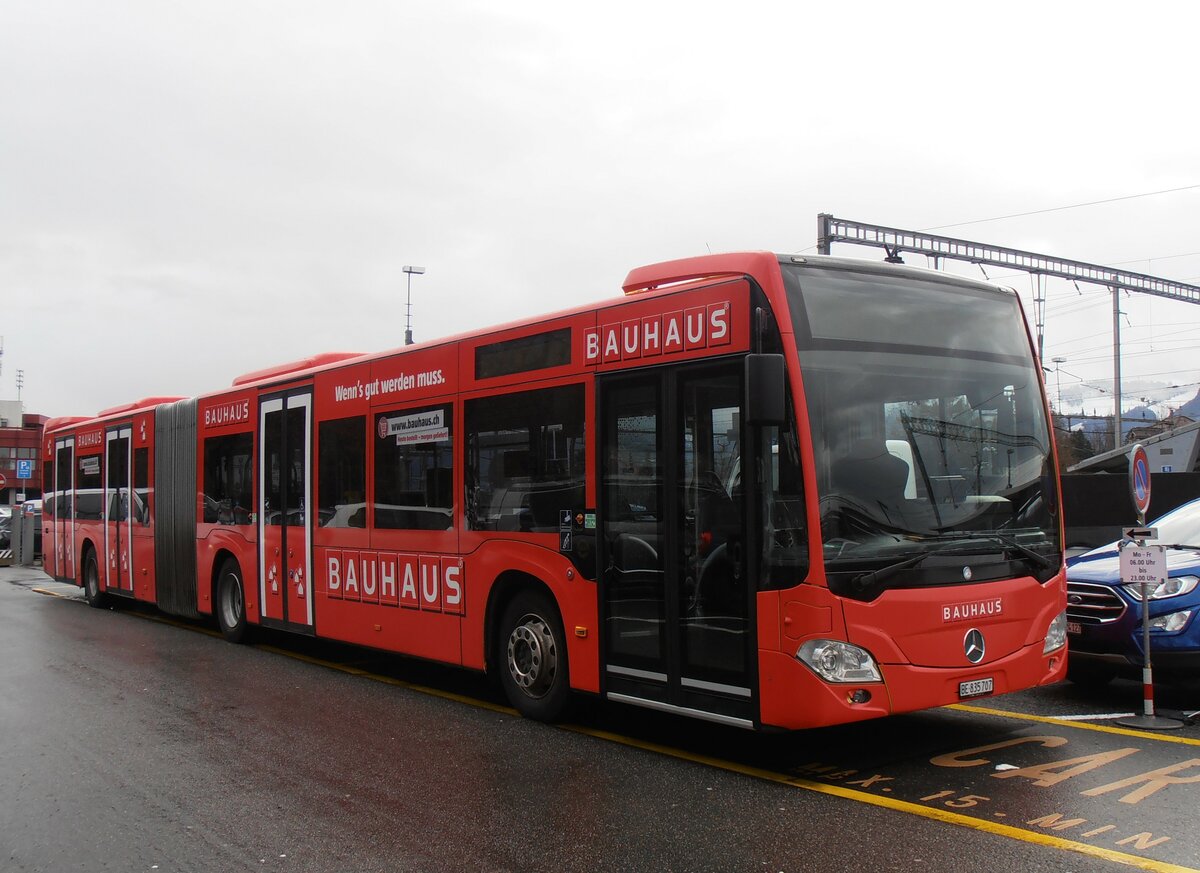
pixel 231 602
pixel 533 657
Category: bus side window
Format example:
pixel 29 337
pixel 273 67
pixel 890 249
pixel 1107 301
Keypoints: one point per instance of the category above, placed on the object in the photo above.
pixel 141 485
pixel 227 479
pixel 785 538
pixel 525 459
pixel 414 457
pixel 342 472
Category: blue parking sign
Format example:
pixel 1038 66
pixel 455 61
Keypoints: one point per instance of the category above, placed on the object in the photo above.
pixel 25 469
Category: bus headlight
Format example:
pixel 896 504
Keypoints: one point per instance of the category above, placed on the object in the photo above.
pixel 1175 621
pixel 1172 586
pixel 1056 634
pixel 835 661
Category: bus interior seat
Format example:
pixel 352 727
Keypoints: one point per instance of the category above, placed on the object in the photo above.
pixel 872 473
pixel 634 568
pixel 631 552
pixel 438 486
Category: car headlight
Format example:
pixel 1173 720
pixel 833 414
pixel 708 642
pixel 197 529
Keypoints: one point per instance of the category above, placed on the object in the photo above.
pixel 1056 634
pixel 835 661
pixel 1172 586
pixel 1175 621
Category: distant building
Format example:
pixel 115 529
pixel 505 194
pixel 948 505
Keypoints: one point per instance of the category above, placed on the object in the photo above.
pixel 1143 433
pixel 1172 446
pixel 20 439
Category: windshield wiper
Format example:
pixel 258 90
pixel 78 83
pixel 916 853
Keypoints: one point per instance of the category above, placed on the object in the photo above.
pixel 873 578
pixel 864 581
pixel 1036 558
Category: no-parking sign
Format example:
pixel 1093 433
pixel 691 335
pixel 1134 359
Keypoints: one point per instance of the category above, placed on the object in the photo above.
pixel 1139 479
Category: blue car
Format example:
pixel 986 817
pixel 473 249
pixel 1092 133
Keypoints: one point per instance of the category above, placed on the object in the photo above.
pixel 1104 618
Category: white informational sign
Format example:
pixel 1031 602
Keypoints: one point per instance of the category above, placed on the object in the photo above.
pixel 1143 564
pixel 419 427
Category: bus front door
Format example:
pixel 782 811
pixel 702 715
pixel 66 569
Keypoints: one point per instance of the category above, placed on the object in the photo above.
pixel 678 633
pixel 118 520
pixel 284 510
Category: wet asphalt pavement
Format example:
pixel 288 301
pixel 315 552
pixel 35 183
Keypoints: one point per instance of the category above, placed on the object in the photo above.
pixel 129 743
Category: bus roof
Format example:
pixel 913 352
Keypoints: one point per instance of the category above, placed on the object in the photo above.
pixel 666 277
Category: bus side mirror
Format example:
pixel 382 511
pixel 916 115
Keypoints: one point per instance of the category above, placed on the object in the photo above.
pixel 766 388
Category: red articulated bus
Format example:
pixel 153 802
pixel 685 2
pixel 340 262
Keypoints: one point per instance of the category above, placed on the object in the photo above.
pixel 767 491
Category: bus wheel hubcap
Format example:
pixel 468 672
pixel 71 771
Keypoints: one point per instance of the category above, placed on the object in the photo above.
pixel 532 656
pixel 232 604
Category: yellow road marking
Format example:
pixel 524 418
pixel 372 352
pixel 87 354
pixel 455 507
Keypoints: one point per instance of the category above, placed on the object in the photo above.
pixel 1083 726
pixel 933 813
pixel 941 815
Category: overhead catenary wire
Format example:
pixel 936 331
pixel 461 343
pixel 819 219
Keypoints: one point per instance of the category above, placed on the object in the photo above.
pixel 1062 208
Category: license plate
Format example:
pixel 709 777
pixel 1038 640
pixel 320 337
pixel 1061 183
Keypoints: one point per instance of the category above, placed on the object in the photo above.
pixel 1074 627
pixel 976 687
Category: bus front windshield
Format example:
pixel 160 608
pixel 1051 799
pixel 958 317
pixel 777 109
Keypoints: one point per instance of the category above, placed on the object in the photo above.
pixel 928 428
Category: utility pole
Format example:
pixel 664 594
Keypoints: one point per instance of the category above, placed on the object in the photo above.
pixel 1039 310
pixel 1116 295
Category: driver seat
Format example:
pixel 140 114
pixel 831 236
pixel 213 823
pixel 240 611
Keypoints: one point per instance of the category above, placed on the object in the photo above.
pixel 873 476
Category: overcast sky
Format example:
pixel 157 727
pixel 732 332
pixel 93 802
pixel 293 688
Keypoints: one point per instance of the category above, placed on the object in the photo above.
pixel 190 191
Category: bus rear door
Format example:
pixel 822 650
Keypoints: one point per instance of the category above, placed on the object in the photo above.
pixel 64 509
pixel 118 523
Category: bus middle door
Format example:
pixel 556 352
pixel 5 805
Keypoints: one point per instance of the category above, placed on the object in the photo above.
pixel 284 509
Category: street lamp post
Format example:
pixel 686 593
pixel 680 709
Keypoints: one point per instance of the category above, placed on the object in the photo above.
pixel 408 340
pixel 1058 380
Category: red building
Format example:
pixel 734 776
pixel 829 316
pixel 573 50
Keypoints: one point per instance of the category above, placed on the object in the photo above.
pixel 20 439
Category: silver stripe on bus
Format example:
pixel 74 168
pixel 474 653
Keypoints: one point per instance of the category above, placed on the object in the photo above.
pixel 683 710
pixel 637 674
pixel 715 686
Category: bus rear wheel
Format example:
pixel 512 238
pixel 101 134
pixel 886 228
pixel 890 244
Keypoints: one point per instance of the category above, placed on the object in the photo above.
pixel 91 581
pixel 231 602
pixel 532 655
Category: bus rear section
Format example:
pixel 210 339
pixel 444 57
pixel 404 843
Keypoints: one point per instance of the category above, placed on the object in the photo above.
pixel 99 520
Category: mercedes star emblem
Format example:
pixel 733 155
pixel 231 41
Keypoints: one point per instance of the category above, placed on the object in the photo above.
pixel 973 645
